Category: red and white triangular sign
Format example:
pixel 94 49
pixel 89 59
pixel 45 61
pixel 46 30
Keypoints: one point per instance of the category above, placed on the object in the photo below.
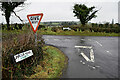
pixel 34 20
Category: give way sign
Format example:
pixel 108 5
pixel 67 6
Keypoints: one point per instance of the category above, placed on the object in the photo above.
pixel 34 20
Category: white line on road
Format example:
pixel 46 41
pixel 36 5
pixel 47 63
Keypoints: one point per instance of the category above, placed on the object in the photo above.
pixel 83 47
pixel 89 39
pixel 108 52
pixel 83 39
pixel 86 58
pixel 98 43
pixel 56 39
pixel 91 53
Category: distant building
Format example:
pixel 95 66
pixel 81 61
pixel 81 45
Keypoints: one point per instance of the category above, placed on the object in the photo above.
pixel 119 12
pixel 112 21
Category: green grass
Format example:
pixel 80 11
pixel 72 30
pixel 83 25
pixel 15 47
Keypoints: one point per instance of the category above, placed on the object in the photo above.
pixel 53 64
pixel 79 33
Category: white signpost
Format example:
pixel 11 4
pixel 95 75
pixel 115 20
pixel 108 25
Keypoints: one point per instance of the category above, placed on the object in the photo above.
pixel 23 55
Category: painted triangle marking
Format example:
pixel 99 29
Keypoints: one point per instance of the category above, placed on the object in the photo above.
pixel 34 20
pixel 91 53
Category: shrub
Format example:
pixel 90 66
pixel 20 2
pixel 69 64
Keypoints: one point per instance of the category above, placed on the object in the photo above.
pixel 54 29
pixel 15 43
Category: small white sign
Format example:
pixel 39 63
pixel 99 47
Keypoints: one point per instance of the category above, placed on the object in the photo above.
pixel 23 55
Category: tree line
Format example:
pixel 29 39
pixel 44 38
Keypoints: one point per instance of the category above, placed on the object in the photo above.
pixel 15 26
pixel 81 11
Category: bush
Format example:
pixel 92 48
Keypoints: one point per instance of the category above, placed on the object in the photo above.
pixel 74 28
pixel 54 29
pixel 15 43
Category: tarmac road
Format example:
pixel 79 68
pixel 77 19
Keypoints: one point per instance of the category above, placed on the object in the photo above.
pixel 105 51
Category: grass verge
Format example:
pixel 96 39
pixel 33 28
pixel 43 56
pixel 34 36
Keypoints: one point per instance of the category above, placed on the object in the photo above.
pixel 53 64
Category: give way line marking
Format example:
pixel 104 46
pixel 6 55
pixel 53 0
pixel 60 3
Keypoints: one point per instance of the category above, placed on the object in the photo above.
pixel 91 53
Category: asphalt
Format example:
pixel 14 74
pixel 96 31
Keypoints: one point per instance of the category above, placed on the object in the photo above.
pixel 105 51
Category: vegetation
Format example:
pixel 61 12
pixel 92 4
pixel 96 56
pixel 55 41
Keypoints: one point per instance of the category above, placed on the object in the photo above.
pixel 8 8
pixel 80 33
pixel 15 42
pixel 84 13
pixel 93 29
pixel 13 26
pixel 52 66
pixel 47 61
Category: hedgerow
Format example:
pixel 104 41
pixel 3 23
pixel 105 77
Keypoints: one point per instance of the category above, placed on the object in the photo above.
pixel 15 42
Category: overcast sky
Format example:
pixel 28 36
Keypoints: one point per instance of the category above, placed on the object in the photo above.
pixel 62 10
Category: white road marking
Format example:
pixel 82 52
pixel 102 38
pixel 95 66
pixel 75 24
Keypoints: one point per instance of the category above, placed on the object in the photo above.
pixel 78 50
pixel 108 52
pixel 83 39
pixel 86 58
pixel 91 53
pixel 93 67
pixel 81 61
pixel 89 39
pixel 83 47
pixel 98 43
pixel 97 66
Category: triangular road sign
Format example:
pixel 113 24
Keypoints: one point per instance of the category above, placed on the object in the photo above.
pixel 34 20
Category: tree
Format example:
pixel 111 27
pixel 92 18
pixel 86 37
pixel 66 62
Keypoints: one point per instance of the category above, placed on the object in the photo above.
pixel 8 8
pixel 107 24
pixel 84 13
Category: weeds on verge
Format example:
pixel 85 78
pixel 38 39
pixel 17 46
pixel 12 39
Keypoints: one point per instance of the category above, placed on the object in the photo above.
pixel 15 42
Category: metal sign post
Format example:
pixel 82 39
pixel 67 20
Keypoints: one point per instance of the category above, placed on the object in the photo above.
pixel 35 38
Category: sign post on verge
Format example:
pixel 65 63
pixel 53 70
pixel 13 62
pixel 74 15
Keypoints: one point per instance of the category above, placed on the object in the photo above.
pixel 34 20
